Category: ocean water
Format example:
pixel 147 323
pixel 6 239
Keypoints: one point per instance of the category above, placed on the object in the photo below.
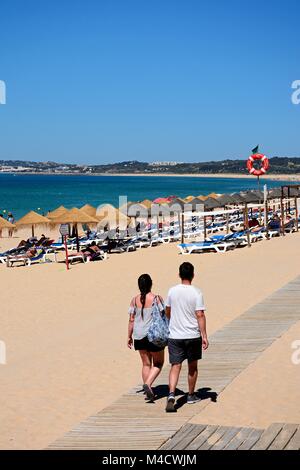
pixel 22 193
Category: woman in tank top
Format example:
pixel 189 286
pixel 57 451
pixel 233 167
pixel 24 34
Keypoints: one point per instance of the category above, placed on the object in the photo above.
pixel 140 316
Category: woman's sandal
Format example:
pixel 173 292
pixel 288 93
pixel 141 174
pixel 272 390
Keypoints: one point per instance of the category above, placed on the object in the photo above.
pixel 149 393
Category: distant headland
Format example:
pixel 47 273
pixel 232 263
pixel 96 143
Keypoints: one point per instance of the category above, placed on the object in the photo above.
pixel 287 168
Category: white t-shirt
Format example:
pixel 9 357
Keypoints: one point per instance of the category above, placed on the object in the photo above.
pixel 184 300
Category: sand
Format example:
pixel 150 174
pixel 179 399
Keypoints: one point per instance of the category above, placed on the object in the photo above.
pixel 65 332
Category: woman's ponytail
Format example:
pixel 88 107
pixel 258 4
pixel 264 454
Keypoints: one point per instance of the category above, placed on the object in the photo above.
pixel 145 286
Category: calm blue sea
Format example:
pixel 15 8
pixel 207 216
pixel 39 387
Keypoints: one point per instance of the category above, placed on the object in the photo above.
pixel 21 193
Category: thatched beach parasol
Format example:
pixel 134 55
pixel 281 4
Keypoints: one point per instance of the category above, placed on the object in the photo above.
pixel 33 219
pixel 189 198
pixel 210 203
pixel 177 204
pixel 225 200
pixel 147 203
pixel 56 212
pixel 90 210
pixel 74 216
pixel 196 203
pixel 5 224
pixel 238 199
pixel 107 214
pixel 249 197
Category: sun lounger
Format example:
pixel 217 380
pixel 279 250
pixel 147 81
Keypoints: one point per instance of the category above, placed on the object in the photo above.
pixel 26 260
pixel 189 248
pixel 72 257
pixel 100 255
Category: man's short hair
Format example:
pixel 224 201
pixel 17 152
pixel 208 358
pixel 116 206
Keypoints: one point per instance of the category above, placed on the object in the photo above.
pixel 186 271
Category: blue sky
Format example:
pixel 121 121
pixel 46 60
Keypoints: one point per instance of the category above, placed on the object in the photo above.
pixel 96 81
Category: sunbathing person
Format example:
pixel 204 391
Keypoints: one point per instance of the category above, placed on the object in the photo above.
pixel 42 240
pixel 92 252
pixel 253 222
pixel 27 243
pixel 274 223
pixel 290 222
pixel 30 253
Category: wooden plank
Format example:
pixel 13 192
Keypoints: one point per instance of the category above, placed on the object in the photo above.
pixel 251 440
pixel 196 443
pixel 284 437
pixel 175 440
pixel 195 431
pixel 226 438
pixel 294 443
pixel 215 437
pixel 239 439
pixel 268 436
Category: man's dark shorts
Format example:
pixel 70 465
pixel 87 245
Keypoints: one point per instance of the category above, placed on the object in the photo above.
pixel 181 349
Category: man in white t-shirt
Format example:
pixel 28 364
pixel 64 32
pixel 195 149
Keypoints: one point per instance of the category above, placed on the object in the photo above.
pixel 185 309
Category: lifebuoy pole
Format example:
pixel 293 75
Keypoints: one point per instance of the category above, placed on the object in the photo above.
pixel 282 213
pixel 296 213
pixel 246 222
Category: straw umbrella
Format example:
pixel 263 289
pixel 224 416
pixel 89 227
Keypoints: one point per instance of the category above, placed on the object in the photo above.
pixel 225 200
pixel 249 198
pixel 75 216
pixel 238 199
pixel 33 219
pixel 88 209
pixel 189 198
pixel 259 194
pixel 5 224
pixel 195 202
pixel 211 203
pixel 147 203
pixel 177 204
pixel 56 212
pixel 108 214
pixel 275 193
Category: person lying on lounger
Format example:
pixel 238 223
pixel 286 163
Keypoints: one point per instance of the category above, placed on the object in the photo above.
pixel 30 253
pixel 274 223
pixel 253 222
pixel 290 222
pixel 92 252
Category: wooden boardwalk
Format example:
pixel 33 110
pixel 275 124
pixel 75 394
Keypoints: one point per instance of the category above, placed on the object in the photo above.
pixel 132 423
pixel 203 437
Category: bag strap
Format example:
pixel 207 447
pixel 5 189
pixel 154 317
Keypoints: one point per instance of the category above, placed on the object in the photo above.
pixel 158 300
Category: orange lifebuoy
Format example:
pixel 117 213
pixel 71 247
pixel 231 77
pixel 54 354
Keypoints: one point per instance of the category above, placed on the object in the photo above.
pixel 265 164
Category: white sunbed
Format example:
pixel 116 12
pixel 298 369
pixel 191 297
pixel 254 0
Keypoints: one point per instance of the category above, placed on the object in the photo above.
pixel 189 248
pixel 76 257
pixel 102 256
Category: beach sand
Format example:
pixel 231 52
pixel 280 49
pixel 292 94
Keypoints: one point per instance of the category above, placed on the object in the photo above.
pixel 65 332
